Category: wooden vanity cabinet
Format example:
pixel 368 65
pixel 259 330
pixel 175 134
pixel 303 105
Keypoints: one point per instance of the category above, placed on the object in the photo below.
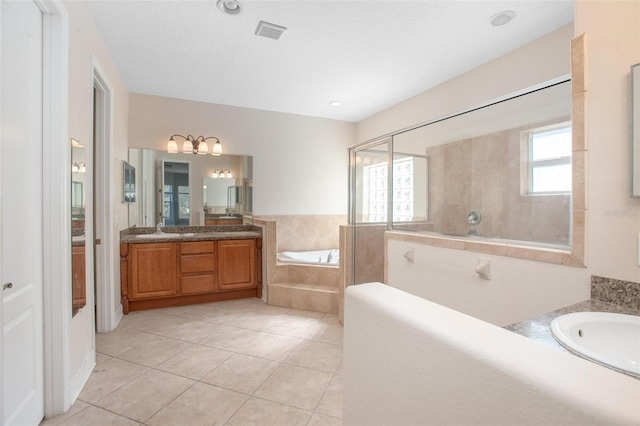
pixel 153 270
pixel 155 275
pixel 79 279
pixel 215 222
pixel 197 267
pixel 237 264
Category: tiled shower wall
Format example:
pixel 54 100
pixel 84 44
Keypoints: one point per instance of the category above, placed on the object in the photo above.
pixel 483 174
pixel 307 232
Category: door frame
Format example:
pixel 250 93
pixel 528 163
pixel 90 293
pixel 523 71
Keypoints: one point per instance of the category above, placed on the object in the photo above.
pixel 108 307
pixel 57 205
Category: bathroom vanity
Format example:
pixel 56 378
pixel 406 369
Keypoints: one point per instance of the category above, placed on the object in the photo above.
pixel 188 265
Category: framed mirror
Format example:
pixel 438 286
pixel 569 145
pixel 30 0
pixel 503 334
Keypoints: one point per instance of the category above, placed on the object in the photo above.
pixel 206 185
pixel 635 130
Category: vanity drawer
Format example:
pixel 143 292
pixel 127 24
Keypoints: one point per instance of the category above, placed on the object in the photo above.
pixel 196 247
pixel 197 284
pixel 195 263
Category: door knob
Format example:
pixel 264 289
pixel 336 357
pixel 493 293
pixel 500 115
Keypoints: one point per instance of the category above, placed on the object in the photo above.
pixel 7 286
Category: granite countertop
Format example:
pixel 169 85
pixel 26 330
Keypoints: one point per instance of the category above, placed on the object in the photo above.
pixel 191 233
pixel 538 328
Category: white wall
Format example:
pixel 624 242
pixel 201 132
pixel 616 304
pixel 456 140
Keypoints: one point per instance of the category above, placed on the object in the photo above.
pixel 518 289
pixel 613 44
pixel 299 162
pixel 425 364
pixel 86 47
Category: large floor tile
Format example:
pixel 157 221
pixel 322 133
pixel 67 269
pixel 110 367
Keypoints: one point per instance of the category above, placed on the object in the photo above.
pixel 228 338
pixel 331 402
pixel 161 324
pixel 241 373
pixel 154 351
pixel 255 320
pixel 259 412
pixel 292 326
pixel 270 346
pixel 195 362
pixel 109 376
pixel 296 386
pixel 60 419
pixel 201 404
pixel 316 355
pixel 327 332
pixel 144 396
pixel 191 330
pixel 322 420
pixel 120 340
pixel 95 416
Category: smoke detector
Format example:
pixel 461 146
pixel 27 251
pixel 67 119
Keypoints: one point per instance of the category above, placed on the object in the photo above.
pixel 268 30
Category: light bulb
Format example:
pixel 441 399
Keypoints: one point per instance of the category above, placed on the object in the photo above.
pixel 172 147
pixel 203 148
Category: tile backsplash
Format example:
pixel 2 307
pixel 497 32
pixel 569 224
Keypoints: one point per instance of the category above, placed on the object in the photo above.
pixel 619 292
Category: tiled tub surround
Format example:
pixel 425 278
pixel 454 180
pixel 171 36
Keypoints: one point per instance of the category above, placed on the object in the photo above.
pixel 484 174
pixel 607 295
pixel 310 287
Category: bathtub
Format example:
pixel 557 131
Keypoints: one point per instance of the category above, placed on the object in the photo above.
pixel 314 257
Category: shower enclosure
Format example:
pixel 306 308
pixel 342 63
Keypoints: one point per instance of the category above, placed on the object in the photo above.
pixel 500 171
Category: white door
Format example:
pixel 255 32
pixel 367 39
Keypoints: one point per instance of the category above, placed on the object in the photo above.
pixel 21 244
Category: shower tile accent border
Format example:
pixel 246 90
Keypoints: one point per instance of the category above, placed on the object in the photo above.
pixel 619 292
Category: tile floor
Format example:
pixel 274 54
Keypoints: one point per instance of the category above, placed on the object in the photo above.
pixel 238 362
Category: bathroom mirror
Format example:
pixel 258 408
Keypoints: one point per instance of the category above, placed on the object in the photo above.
pixel 78 197
pixel 635 131
pixel 197 201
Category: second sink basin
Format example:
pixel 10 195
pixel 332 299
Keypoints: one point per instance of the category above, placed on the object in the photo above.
pixel 610 339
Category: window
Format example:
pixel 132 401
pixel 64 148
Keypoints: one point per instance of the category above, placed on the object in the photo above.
pixel 548 160
pixel 376 189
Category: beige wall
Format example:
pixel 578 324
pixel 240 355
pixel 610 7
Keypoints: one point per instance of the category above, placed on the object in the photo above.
pixel 613 45
pixel 86 49
pixel 299 163
pixel 542 60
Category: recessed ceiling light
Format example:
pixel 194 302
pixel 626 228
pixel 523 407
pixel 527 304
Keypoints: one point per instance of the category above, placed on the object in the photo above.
pixel 502 18
pixel 335 103
pixel 232 7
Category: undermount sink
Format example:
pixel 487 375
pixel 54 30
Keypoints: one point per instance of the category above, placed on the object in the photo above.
pixel 163 235
pixel 609 339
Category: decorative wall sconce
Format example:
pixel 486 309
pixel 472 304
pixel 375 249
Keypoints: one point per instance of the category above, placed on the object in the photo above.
pixel 197 145
pixel 79 168
pixel 219 173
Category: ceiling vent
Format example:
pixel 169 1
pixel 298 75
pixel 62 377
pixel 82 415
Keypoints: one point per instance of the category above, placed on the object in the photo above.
pixel 265 29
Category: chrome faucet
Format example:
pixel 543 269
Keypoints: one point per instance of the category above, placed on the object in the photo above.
pixel 159 228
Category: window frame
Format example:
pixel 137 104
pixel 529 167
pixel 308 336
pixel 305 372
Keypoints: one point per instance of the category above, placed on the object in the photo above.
pixel 528 164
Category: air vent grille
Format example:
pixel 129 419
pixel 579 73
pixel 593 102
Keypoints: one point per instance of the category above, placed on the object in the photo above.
pixel 266 29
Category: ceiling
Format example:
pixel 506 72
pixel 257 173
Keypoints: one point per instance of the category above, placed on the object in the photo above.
pixel 369 55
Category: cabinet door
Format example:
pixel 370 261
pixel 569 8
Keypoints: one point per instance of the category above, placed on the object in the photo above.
pixel 79 289
pixel 153 270
pixel 236 264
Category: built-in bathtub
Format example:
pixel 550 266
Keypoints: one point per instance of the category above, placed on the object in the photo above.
pixel 312 257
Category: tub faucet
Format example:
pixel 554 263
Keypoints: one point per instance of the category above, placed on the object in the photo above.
pixel 159 228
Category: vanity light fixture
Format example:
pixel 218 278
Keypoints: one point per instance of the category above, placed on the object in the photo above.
pixel 220 173
pixel 194 145
pixel 231 7
pixel 79 167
